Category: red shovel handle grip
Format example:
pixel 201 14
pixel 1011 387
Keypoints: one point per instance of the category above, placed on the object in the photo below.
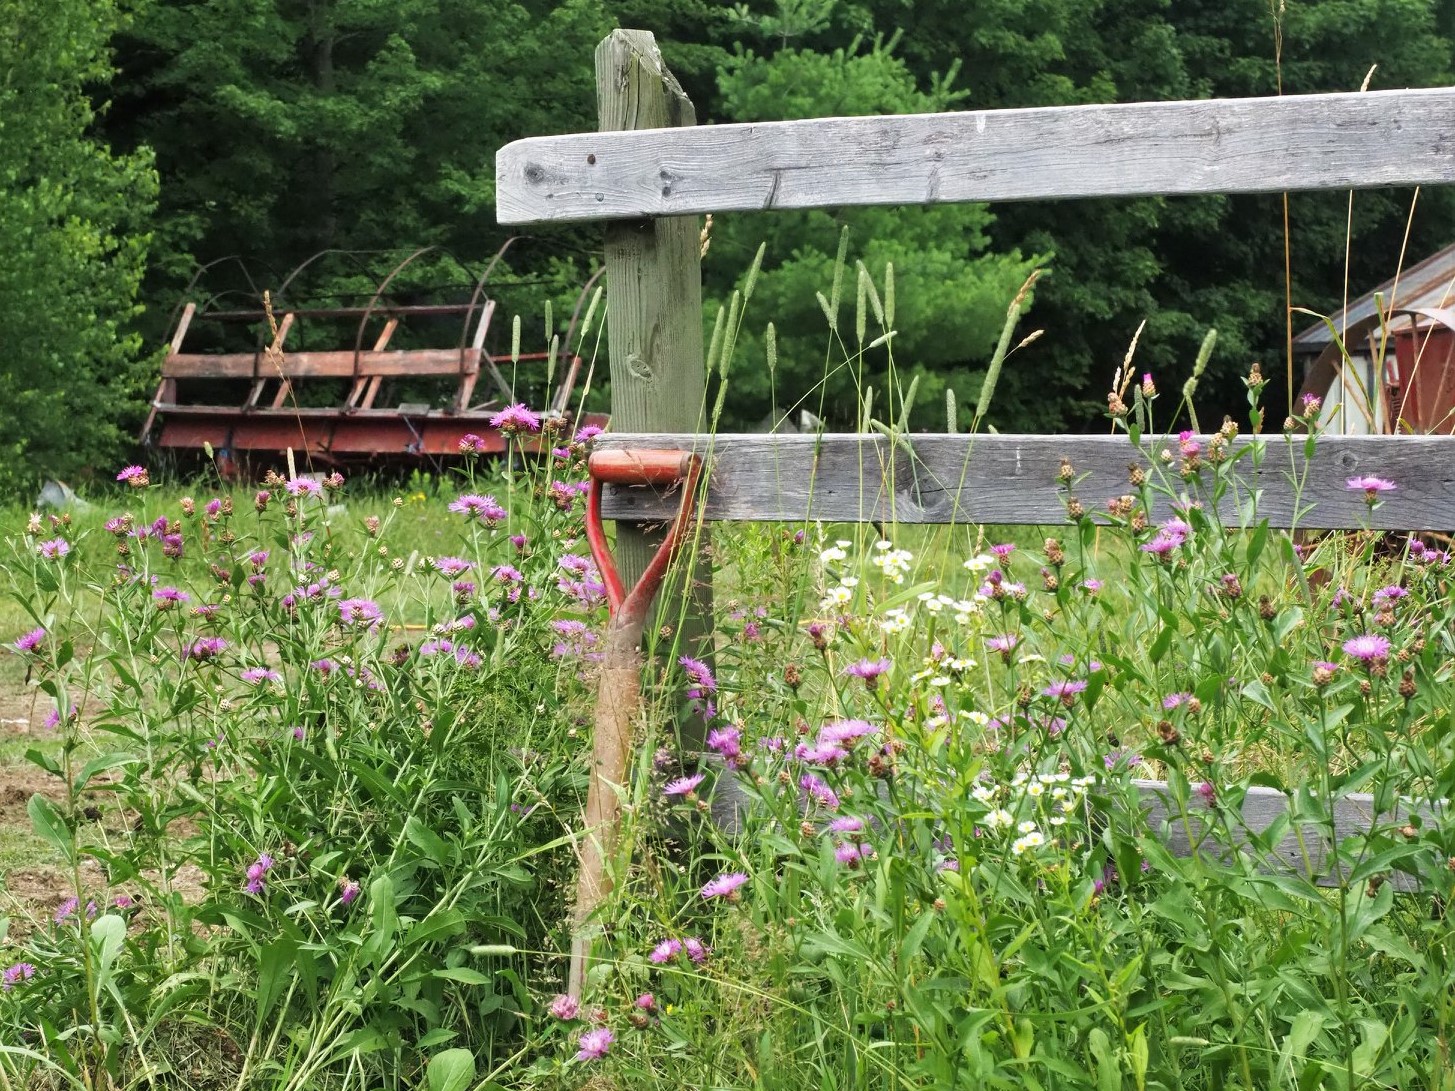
pixel 627 467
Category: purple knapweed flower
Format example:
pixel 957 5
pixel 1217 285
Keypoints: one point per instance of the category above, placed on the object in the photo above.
pixel 360 612
pixel 66 910
pixel 205 647
pixel 868 669
pixel 54 549
pixel 28 642
pixel 348 890
pixel 452 566
pixel 594 1044
pixel 256 676
pixel 506 573
pixel 471 444
pixel 726 741
pixel 17 974
pixel 852 853
pixel 696 950
pixel 725 885
pixel 645 1002
pixel 1369 648
pixel 1175 700
pixel 586 433
pixel 476 506
pixel 685 787
pixel 303 486
pixel 1206 792
pixel 135 476
pixel 565 1007
pixel 665 951
pixel 842 732
pixel 1065 691
pixel 1372 487
pixel 846 824
pixel 257 873
pixel 818 790
pixel 1391 593
pixel 516 418
pixel 167 597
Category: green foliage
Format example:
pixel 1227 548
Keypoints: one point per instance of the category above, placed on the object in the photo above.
pixel 285 129
pixel 950 290
pixel 73 240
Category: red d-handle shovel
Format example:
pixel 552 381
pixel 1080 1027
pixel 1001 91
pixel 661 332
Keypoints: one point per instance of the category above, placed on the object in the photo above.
pixel 619 695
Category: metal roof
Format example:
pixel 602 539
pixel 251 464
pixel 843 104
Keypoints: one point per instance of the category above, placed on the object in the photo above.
pixel 1430 284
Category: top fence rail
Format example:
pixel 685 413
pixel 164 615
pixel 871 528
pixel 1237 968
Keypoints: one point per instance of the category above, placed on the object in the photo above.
pixel 1301 142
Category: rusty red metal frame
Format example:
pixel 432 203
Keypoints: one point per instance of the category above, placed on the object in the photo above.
pixel 355 429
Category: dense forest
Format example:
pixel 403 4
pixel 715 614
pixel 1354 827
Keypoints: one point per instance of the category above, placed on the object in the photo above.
pixel 143 140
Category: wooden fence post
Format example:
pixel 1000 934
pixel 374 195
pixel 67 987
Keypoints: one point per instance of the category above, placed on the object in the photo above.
pixel 654 308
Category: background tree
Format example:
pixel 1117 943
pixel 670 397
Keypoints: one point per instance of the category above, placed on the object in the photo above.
pixel 73 241
pixel 951 288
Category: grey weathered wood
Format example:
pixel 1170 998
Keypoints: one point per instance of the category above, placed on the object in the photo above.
pixel 654 310
pixel 1012 479
pixel 1299 142
pixel 339 364
pixel 1303 850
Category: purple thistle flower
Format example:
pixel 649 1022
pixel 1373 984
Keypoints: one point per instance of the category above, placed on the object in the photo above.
pixel 1207 793
pixel 565 1008
pixel 452 566
pixel 303 486
pixel 205 647
pixel 506 573
pixel 727 741
pixel 1065 691
pixel 167 597
pixel 1003 550
pixel 725 885
pixel 683 786
pixel 820 753
pixel 1175 700
pixel 1369 648
pixel 135 476
pixel 480 507
pixel 852 853
pixel 696 950
pixel 846 824
pixel 28 642
pixel 1370 486
pixel 1004 644
pixel 665 951
pixel 16 974
pixel 66 910
pixel 348 891
pixel 471 444
pixel 645 1002
pixel 1391 593
pixel 594 1044
pixel 819 791
pixel 256 676
pixel 360 612
pixel 54 549
pixel 845 731
pixel 587 433
pixel 868 669
pixel 516 418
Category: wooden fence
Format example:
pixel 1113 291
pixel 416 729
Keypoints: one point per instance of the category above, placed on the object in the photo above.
pixel 652 183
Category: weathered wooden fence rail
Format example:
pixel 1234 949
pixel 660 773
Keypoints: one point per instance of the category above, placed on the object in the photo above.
pixel 652 180
pixel 1013 479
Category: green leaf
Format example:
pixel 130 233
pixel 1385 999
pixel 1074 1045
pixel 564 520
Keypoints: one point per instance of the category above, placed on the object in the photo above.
pixel 463 974
pixel 452 1070
pixel 108 933
pixel 437 925
pixel 427 841
pixel 274 963
pixel 51 828
pixel 101 764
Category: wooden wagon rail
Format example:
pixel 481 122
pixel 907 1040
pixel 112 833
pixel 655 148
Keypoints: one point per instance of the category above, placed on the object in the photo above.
pixel 656 177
